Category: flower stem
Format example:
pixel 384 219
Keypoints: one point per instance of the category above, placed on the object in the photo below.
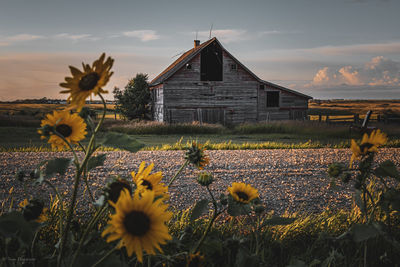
pixel 178 172
pixel 105 256
pixel 210 222
pixel 61 208
pixel 93 220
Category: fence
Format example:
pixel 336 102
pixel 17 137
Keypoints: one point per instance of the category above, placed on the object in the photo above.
pixel 354 119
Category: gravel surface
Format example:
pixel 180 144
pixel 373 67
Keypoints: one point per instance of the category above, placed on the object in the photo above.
pixel 287 179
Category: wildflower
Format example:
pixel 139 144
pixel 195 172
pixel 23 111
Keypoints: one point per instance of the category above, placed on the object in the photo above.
pixel 70 126
pixel 195 155
pixel 113 190
pixel 139 223
pixel 146 181
pixel 194 260
pixel 242 192
pixel 82 84
pixel 369 144
pixel 205 178
pixel 33 210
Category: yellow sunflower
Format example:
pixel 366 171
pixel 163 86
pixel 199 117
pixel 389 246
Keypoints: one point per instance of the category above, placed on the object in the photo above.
pixel 146 181
pixel 140 223
pixel 82 84
pixel 369 144
pixel 34 210
pixel 70 126
pixel 242 192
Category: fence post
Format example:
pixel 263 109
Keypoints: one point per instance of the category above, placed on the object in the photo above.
pixel 327 118
pixel 356 118
pixel 320 118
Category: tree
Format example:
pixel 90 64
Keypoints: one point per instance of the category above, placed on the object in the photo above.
pixel 133 102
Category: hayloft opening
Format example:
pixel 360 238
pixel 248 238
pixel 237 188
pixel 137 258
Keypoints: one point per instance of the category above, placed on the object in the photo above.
pixel 211 63
pixel 272 99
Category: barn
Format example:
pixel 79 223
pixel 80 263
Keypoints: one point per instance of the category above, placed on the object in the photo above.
pixel 208 84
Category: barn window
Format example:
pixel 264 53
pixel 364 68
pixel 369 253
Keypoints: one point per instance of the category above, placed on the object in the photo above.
pixel 261 86
pixel 188 66
pixel 211 63
pixel 233 66
pixel 272 99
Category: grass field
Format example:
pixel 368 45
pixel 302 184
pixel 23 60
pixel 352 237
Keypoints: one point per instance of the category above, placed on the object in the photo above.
pixel 18 124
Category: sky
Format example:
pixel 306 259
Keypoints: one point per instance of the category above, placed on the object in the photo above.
pixel 342 49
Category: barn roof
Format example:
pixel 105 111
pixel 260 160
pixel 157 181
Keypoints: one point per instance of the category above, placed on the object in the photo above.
pixel 188 55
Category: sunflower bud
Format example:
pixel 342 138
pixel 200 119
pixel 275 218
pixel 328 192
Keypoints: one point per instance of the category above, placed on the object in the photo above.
pixel 114 188
pixel 205 178
pixel 195 155
pixel 346 176
pixel 20 175
pixel 335 169
pixel 33 210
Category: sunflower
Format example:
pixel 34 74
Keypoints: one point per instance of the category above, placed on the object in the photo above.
pixel 146 181
pixel 82 84
pixel 242 192
pixel 369 144
pixel 195 155
pixel 33 210
pixel 70 126
pixel 139 222
pixel 114 188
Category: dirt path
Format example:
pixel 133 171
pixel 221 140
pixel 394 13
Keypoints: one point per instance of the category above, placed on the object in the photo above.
pixel 287 179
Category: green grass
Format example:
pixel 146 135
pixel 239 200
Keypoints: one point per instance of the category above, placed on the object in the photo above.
pixel 25 139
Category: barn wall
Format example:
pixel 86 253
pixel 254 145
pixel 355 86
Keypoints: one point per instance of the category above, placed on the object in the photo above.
pixel 291 106
pixel 158 103
pixel 233 100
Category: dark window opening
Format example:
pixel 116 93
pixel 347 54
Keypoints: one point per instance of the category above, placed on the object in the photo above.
pixel 233 67
pixel 211 63
pixel 261 86
pixel 272 99
pixel 188 66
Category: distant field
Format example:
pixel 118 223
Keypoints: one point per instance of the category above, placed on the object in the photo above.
pixel 344 107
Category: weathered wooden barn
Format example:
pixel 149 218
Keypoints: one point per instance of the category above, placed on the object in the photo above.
pixel 208 84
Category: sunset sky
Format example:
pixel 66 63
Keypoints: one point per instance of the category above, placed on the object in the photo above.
pixel 327 49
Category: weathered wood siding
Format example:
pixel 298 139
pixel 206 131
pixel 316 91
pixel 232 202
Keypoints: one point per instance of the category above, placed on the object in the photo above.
pixel 291 106
pixel 231 101
pixel 158 102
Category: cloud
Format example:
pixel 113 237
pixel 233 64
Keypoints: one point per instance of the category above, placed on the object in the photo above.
pixel 23 37
pixel 75 37
pixel 380 71
pixel 377 48
pixel 143 35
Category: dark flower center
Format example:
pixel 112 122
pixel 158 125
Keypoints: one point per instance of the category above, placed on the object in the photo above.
pixel 147 184
pixel 89 81
pixel 33 210
pixel 365 146
pixel 242 195
pixel 115 190
pixel 137 223
pixel 64 130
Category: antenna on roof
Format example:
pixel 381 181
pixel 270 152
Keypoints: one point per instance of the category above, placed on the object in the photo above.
pixel 210 31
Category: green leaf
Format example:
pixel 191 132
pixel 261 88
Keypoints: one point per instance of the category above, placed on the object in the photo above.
pixel 362 232
pixel 392 197
pixel 199 209
pixel 122 141
pixel 235 208
pixel 96 161
pixel 278 221
pixel 358 200
pixel 57 165
pixel 13 224
pixel 387 169
pixel 297 263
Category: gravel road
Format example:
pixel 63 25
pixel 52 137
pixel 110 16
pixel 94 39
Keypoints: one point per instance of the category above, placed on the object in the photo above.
pixel 287 179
